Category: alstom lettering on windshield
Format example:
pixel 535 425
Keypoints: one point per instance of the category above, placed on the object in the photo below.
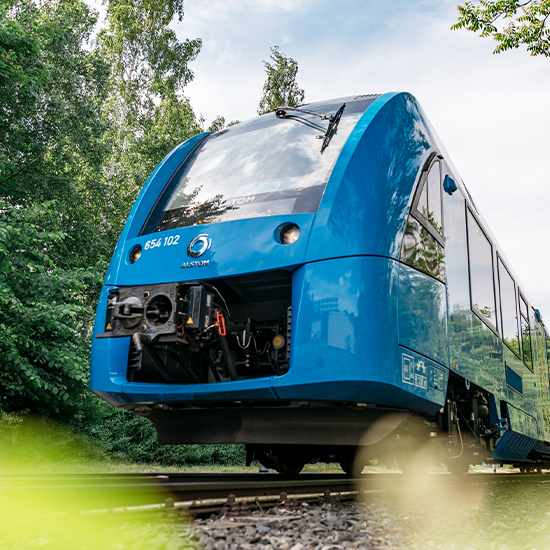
pixel 239 200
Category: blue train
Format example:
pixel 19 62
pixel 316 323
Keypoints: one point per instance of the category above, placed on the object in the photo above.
pixel 318 280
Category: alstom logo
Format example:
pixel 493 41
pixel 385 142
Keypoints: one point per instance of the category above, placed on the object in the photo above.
pixel 199 245
pixel 199 263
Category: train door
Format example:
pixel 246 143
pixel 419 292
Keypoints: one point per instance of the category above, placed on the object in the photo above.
pixel 542 378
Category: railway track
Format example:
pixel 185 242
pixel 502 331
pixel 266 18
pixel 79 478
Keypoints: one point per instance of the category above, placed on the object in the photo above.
pixel 203 494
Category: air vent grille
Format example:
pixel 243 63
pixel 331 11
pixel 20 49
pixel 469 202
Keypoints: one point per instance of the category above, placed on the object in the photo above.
pixel 366 96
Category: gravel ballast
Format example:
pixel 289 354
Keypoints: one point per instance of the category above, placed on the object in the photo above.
pixel 319 527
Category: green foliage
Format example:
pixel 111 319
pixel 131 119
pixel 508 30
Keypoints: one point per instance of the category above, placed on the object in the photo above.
pixel 82 125
pixel 51 92
pixel 40 446
pixel 134 438
pixel 37 443
pixel 146 112
pixel 280 87
pixel 523 23
pixel 44 319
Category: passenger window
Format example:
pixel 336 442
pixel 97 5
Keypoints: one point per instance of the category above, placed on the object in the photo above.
pixel 429 202
pixel 525 333
pixel 421 251
pixel 435 216
pixel 480 252
pixel 508 309
pixel 422 246
pixel 422 205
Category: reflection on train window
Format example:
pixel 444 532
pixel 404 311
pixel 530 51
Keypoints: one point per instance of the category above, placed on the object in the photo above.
pixel 525 333
pixel 482 289
pixel 422 205
pixel 429 203
pixel 421 251
pixel 542 343
pixel 434 197
pixel 422 246
pixel 265 167
pixel 508 309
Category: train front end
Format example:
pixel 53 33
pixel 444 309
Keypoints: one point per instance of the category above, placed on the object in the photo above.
pixel 225 318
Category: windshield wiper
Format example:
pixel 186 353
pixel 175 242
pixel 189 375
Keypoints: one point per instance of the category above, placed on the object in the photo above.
pixel 328 133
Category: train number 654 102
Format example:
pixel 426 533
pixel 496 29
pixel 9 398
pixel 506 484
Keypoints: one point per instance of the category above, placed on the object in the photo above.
pixel 168 241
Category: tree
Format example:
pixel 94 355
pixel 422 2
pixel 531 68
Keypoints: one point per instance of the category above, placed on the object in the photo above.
pixel 44 318
pixel 146 111
pixel 51 91
pixel 526 23
pixel 60 215
pixel 82 125
pixel 280 87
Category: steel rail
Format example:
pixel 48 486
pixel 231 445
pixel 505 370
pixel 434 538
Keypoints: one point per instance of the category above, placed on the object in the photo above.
pixel 207 493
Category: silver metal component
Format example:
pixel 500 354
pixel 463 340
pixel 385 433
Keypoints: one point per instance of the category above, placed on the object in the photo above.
pixel 194 250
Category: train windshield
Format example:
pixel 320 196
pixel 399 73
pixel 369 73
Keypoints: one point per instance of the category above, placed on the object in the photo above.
pixel 264 167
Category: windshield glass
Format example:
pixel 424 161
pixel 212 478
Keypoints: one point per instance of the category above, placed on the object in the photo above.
pixel 265 167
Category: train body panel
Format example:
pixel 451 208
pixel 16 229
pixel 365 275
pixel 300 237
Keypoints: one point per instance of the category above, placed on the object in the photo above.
pixel 346 340
pixel 260 280
pixel 165 257
pixel 366 202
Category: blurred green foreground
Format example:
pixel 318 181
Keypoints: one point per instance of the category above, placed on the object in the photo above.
pixel 36 512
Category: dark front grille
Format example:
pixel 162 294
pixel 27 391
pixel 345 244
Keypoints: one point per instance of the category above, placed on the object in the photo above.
pixel 261 296
pixel 246 333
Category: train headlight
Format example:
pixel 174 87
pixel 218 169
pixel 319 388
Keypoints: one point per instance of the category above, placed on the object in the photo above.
pixel 289 233
pixel 135 254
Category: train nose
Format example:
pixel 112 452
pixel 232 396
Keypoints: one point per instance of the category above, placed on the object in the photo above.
pixel 210 251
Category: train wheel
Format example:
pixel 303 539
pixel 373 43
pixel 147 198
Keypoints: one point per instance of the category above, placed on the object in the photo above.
pixel 352 467
pixel 287 463
pixel 417 459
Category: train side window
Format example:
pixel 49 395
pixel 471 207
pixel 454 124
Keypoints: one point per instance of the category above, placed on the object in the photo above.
pixel 435 215
pixel 429 201
pixel 421 251
pixel 508 309
pixel 482 290
pixel 422 246
pixel 525 333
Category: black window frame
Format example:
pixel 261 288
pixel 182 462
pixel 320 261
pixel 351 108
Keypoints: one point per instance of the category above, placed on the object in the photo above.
pixel 475 310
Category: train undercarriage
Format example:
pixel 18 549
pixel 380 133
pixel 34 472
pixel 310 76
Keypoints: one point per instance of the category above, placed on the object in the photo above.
pixel 457 437
pixel 286 437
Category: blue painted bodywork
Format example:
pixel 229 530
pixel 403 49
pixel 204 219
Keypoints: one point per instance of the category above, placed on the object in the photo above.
pixel 389 335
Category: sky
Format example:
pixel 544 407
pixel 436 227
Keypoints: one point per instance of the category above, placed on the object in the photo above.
pixel 491 111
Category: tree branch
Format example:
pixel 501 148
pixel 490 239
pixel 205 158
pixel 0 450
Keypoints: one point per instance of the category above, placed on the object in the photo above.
pixel 24 167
